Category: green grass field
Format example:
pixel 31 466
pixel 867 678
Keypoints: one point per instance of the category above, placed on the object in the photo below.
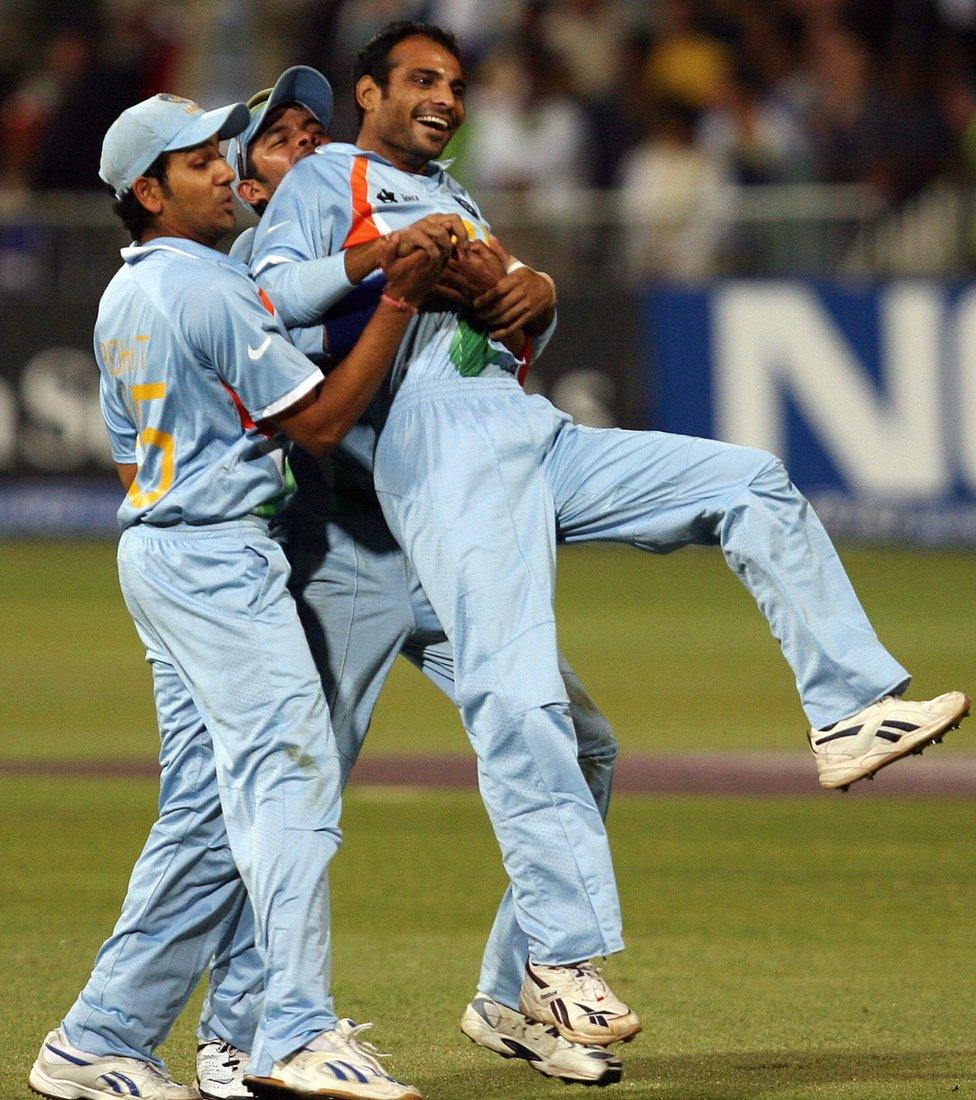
pixel 815 947
pixel 672 648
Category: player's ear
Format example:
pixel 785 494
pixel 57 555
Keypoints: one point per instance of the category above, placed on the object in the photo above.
pixel 149 192
pixel 253 192
pixel 368 93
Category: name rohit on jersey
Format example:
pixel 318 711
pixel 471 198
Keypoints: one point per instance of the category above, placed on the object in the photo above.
pixel 122 356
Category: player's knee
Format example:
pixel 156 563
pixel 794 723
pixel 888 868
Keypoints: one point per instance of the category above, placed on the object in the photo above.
pixel 762 467
pixel 199 826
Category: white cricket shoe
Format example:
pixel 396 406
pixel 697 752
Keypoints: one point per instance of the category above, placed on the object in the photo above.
pixel 508 1033
pixel 62 1072
pixel 220 1071
pixel 336 1064
pixel 578 1002
pixel 856 747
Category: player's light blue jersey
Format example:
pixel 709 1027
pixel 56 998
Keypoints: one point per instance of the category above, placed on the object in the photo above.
pixel 192 360
pixel 341 196
pixel 342 481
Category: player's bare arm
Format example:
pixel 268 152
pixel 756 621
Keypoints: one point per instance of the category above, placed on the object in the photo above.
pixel 320 421
pixel 127 473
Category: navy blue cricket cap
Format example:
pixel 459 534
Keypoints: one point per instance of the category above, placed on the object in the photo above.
pixel 163 123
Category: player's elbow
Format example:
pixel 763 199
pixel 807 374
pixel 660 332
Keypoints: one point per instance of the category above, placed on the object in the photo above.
pixel 324 438
pixel 318 422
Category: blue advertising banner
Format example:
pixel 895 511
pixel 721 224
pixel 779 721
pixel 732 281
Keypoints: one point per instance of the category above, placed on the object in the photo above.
pixel 868 393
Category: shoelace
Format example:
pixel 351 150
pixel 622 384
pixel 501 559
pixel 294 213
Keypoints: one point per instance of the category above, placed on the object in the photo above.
pixel 590 981
pixel 231 1054
pixel 350 1034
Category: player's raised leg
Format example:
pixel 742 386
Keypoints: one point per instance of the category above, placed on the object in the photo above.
pixel 659 492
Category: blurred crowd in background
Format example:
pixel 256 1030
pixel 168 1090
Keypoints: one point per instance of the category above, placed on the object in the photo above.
pixel 678 105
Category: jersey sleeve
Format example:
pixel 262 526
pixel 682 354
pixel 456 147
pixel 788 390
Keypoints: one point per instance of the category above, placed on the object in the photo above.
pixel 234 327
pixel 243 245
pixel 297 248
pixel 121 430
pixel 307 289
pixel 310 341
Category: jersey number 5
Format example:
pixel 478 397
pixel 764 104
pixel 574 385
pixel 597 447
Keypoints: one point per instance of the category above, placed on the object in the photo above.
pixel 152 437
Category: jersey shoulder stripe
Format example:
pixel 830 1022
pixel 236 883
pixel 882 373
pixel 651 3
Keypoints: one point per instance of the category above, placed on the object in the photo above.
pixel 363 228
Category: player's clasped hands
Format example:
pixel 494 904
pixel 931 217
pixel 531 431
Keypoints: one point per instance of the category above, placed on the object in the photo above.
pixel 411 276
pixel 433 234
pixel 515 300
pixel 469 273
pixel 504 302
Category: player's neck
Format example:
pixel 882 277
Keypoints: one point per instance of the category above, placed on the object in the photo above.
pixel 370 143
pixel 162 230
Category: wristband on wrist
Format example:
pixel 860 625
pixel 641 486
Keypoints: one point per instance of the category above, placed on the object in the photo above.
pixel 514 266
pixel 399 303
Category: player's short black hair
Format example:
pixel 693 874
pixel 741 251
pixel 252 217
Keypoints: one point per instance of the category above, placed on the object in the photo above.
pixel 133 215
pixel 374 58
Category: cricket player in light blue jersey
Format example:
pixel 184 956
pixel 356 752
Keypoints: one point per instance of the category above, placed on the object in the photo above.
pixel 549 827
pixel 478 481
pixel 198 380
pixel 362 604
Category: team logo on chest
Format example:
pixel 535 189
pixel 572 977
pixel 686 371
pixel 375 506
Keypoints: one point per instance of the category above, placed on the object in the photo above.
pixel 469 206
pixel 388 196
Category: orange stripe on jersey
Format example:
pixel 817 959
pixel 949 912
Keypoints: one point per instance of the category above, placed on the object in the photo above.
pixel 246 422
pixel 363 227
pixel 266 302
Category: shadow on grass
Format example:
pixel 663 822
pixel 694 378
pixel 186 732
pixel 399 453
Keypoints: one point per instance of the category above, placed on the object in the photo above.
pixel 730 1075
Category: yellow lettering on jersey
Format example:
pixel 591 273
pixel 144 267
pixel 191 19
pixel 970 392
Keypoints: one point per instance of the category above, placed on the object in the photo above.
pixel 152 437
pixel 120 356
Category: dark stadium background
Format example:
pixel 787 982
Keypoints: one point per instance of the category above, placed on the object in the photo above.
pixel 735 197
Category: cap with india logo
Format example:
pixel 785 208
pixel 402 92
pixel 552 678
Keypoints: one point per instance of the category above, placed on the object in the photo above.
pixel 161 124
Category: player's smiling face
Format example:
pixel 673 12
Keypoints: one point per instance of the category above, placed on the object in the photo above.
pixel 416 115
pixel 195 200
pixel 291 134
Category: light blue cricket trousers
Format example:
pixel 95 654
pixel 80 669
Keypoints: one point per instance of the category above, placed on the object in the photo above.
pixel 249 796
pixel 476 480
pixel 362 605
pixel 474 520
